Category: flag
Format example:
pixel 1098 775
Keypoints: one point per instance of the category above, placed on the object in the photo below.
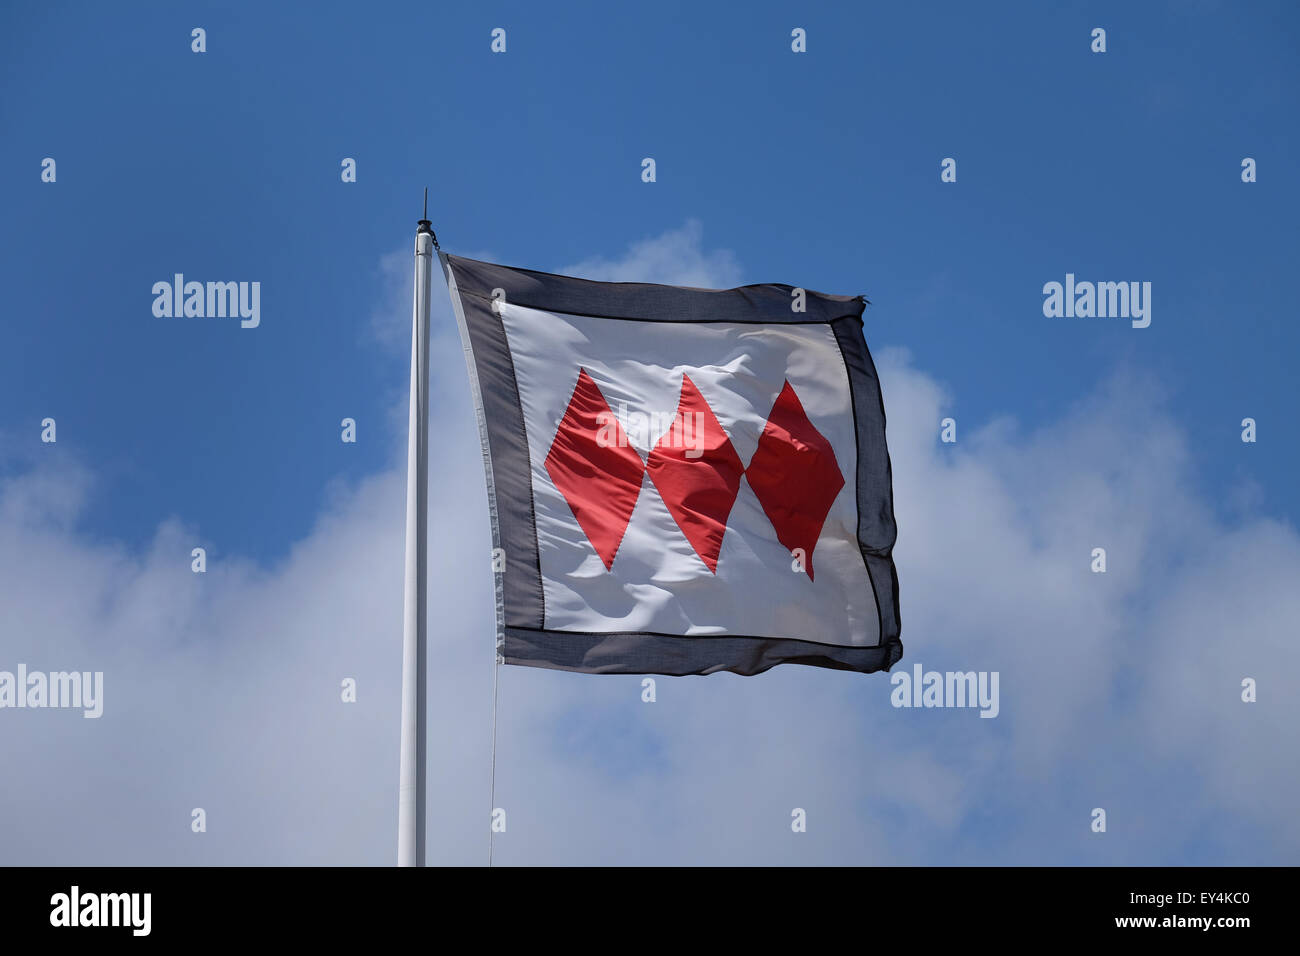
pixel 681 481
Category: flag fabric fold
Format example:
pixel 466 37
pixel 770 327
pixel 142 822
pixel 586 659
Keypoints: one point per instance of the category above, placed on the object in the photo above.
pixel 681 481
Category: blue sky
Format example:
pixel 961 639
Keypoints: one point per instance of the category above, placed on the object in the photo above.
pixel 819 170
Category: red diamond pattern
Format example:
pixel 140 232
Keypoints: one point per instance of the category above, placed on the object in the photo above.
pixel 695 468
pixel 595 468
pixel 697 472
pixel 795 475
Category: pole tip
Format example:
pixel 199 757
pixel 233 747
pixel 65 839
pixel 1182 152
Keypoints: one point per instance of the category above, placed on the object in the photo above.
pixel 424 226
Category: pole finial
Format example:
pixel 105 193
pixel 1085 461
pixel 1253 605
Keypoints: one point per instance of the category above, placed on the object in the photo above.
pixel 424 225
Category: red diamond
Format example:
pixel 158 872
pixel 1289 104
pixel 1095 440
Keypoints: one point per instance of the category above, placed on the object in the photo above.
pixel 795 475
pixel 595 469
pixel 697 472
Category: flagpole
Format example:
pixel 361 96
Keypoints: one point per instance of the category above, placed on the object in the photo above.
pixel 411 774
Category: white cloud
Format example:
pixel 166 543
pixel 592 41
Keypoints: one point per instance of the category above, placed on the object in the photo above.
pixel 1118 690
pixel 677 257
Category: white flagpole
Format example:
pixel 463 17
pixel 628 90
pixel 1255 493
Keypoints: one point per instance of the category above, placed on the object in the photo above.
pixel 411 776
